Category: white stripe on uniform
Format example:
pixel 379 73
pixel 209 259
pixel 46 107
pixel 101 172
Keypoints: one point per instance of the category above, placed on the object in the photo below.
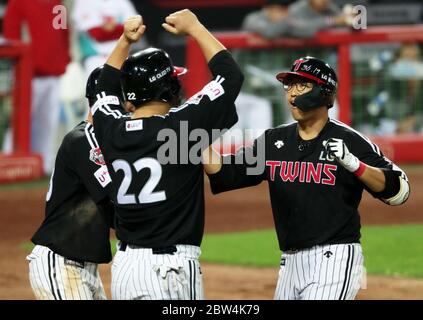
pixel 89 135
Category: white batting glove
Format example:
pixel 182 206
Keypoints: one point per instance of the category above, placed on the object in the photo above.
pixel 337 149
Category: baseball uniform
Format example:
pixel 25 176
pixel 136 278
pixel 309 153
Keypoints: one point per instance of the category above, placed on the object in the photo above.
pixel 160 206
pixel 315 206
pixel 74 236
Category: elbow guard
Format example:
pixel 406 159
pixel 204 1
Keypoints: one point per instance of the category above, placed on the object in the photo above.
pixel 402 193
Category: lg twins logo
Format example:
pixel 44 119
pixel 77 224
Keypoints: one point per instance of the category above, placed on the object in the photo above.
pixel 305 172
pixel 213 90
pixel 102 176
pixel 298 64
pixel 97 157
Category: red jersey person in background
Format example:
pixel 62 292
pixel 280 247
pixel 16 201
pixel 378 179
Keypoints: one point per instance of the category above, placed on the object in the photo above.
pixel 99 24
pixel 50 56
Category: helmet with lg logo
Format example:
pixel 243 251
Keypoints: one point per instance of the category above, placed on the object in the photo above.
pixel 150 75
pixel 319 73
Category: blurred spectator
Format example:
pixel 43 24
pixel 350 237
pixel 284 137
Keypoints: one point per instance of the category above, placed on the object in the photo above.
pixel 391 12
pixel 50 52
pixel 311 16
pixel 271 21
pixel 100 24
pixel 301 19
pixel 397 103
pixel 406 101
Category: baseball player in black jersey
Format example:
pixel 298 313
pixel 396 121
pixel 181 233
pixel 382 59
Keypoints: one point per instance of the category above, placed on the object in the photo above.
pixel 316 169
pixel 74 236
pixel 159 204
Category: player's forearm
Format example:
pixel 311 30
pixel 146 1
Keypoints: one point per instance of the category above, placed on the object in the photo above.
pixel 212 161
pixel 373 178
pixel 209 45
pixel 119 53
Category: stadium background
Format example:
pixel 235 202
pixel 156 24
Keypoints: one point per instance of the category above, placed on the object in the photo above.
pixel 240 255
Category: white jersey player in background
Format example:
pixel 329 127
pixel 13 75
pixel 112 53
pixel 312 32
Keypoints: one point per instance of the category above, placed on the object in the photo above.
pixel 99 24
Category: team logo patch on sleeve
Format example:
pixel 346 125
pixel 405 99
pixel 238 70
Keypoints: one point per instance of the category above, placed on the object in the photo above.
pixel 133 125
pixel 213 90
pixel 102 176
pixel 97 157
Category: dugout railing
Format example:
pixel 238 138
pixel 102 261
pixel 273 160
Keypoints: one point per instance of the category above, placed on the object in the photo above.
pixel 356 91
pixel 17 164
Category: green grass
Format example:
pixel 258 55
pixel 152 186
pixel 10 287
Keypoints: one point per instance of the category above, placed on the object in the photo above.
pixel 388 250
pixel 26 246
pixel 253 248
pixel 394 250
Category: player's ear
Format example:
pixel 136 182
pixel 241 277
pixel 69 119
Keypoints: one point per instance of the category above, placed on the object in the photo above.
pixel 128 106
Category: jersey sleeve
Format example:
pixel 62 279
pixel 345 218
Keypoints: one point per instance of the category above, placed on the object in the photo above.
pixel 107 111
pixel 214 106
pixel 243 169
pixel 370 154
pixel 88 165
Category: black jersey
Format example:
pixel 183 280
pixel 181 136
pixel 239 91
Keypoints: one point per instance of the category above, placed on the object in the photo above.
pixel 78 212
pixel 314 199
pixel 161 204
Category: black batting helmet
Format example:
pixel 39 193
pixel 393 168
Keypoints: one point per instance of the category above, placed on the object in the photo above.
pixel 320 73
pixel 92 81
pixel 150 75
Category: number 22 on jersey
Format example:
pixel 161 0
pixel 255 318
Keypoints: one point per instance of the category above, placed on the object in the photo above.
pixel 147 193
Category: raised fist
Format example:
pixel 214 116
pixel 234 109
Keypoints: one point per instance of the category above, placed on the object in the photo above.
pixel 133 28
pixel 181 22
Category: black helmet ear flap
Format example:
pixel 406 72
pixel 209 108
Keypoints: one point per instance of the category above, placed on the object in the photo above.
pixel 310 100
pixel 317 97
pixel 91 85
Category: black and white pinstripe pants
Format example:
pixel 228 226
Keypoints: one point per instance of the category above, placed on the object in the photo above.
pixel 54 277
pixel 138 274
pixel 329 272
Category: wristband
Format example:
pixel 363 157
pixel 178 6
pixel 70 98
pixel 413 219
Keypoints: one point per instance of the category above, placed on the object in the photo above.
pixel 361 168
